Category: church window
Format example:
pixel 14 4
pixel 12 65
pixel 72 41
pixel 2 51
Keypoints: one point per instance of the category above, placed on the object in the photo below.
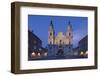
pixel 50 33
pixel 69 42
pixel 69 34
pixel 60 41
pixel 63 43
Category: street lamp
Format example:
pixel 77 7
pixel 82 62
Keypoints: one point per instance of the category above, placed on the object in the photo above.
pixel 38 54
pixel 82 53
pixel 33 54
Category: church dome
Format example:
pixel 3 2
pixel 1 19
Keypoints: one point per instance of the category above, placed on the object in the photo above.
pixel 60 33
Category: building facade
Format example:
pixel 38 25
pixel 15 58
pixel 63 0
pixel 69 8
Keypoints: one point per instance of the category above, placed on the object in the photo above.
pixel 35 49
pixel 62 43
pixel 83 46
pixel 82 49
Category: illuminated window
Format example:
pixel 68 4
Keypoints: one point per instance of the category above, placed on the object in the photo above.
pixel 69 34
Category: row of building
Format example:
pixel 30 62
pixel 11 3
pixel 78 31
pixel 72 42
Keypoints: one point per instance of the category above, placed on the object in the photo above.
pixel 82 49
pixel 35 49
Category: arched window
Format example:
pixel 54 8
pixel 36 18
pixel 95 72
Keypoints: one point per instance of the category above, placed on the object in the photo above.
pixel 60 41
pixel 69 33
pixel 50 34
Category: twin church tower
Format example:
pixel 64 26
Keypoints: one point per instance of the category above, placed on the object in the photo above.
pixel 62 42
pixel 61 38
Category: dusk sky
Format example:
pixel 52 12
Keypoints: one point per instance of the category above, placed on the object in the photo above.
pixel 39 25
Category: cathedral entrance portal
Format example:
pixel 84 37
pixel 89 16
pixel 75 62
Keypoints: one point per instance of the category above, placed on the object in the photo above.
pixel 60 51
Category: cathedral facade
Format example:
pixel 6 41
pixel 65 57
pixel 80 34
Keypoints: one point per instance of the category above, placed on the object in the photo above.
pixel 60 44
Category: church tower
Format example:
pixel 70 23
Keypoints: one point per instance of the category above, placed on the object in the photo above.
pixel 51 34
pixel 69 34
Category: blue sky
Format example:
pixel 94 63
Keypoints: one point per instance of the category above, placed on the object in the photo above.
pixel 40 23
